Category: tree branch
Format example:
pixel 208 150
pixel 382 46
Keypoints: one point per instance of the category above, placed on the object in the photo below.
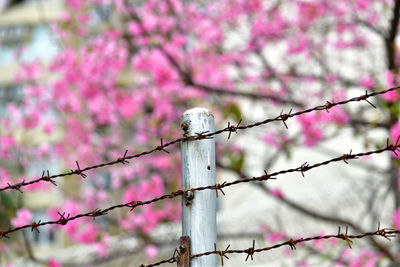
pixel 187 79
pixel 317 215
pixel 391 64
pixel 254 96
pixel 390 39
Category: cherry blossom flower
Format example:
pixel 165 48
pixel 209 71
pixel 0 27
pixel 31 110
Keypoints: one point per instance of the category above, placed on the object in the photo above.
pixel 24 216
pixel 151 251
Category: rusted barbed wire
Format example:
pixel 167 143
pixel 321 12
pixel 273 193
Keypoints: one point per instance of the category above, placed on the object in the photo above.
pixel 230 129
pixel 292 243
pixel 65 218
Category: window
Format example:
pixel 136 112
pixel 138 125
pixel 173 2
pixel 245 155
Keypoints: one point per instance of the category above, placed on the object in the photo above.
pixel 8 94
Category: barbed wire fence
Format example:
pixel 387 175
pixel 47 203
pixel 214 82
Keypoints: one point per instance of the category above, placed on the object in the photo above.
pixel 182 255
pixel 283 117
pixel 292 243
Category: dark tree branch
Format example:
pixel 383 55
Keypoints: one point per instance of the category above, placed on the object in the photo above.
pixel 28 248
pixel 188 80
pixel 390 39
pixel 364 123
pixel 253 96
pixel 370 27
pixel 391 65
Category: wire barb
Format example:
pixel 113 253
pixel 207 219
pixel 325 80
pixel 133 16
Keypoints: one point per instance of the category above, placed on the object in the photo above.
pixel 393 147
pixel 204 135
pixel 219 187
pixel 63 220
pixel 284 117
pixel 265 177
pixel 345 237
pixel 292 243
pixel 4 234
pixel 47 178
pixel 16 187
pixel 328 106
pixel 348 156
pixel 96 213
pixel 123 160
pixel 161 147
pixel 133 204
pixel 364 97
pixel 250 251
pixel 35 226
pixel 78 171
pixel 303 168
pixel 232 128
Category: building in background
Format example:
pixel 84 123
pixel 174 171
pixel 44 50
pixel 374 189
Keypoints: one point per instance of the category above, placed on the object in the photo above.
pixel 25 35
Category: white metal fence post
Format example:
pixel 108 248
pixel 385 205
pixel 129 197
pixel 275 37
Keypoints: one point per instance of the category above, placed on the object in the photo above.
pixel 198 169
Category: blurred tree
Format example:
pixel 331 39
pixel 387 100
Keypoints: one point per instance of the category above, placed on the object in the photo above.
pixel 126 71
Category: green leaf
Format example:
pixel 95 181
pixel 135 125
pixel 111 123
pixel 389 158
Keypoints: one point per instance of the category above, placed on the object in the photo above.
pixel 8 200
pixel 237 161
pixel 395 108
pixel 232 110
pixel 287 152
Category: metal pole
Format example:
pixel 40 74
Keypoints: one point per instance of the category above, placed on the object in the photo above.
pixel 198 169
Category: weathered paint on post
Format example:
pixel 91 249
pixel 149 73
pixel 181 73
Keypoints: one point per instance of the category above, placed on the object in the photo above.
pixel 198 169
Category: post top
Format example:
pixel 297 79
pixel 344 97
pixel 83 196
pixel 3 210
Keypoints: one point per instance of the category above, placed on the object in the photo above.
pixel 197 110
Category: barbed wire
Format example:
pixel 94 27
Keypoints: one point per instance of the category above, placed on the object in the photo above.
pixel 283 117
pixel 65 218
pixel 385 232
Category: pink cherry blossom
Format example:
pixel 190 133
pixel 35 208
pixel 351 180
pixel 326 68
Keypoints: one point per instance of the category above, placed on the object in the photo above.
pixel 270 138
pixel 103 246
pixel 389 79
pixel 156 185
pixel 48 127
pixel 362 4
pixel 318 244
pixel 311 132
pixel 298 45
pixel 151 217
pixel 36 186
pixel 131 221
pixel 302 262
pixel 31 120
pixel 395 136
pixel 128 106
pixel 331 78
pixel 87 235
pixel 28 71
pixel 367 81
pixel 124 85
pixel 129 194
pixel 74 4
pixel 392 95
pixel 6 143
pixel 24 216
pixel 162 162
pixel 151 251
pixel 364 259
pixel 287 252
pixel 274 237
pixel 53 263
pixel 276 193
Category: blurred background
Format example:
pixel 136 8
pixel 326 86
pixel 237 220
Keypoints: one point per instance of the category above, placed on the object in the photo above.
pixel 81 82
